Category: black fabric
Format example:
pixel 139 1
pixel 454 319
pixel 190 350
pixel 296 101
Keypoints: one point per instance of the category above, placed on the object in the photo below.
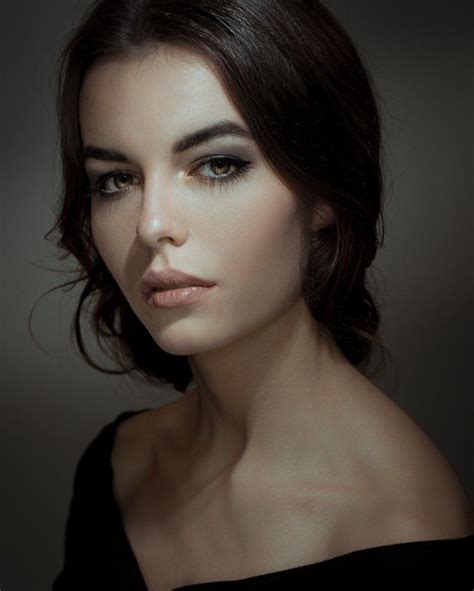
pixel 97 553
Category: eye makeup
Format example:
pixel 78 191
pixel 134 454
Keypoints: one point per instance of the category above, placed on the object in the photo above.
pixel 98 187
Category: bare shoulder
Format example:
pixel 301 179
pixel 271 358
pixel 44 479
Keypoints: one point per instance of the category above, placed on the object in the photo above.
pixel 421 496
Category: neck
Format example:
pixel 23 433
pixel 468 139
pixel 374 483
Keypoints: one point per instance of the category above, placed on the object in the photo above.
pixel 269 399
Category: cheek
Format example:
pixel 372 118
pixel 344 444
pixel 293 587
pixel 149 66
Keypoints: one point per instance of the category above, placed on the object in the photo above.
pixel 111 238
pixel 263 251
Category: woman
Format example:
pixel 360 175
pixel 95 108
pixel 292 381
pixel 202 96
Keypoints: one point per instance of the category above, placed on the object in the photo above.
pixel 238 143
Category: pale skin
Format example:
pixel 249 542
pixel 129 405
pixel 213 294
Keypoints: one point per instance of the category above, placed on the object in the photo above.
pixel 281 438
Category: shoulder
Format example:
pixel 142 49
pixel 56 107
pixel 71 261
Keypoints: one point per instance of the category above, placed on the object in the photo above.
pixel 431 504
pixel 416 492
pixel 97 449
pixel 150 428
pixel 138 443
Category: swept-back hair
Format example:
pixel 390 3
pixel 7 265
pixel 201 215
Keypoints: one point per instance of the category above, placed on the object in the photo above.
pixel 300 84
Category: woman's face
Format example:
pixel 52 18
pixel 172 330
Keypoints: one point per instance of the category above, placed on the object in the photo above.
pixel 246 236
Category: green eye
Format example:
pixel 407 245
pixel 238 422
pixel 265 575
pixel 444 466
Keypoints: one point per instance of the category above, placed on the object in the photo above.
pixel 218 162
pixel 98 188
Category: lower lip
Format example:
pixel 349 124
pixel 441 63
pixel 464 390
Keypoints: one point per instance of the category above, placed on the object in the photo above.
pixel 177 297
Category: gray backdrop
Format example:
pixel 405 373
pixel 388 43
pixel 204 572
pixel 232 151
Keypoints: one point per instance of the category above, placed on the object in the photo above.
pixel 420 54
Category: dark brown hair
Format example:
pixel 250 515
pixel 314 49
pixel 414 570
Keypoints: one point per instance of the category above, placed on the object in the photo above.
pixel 300 84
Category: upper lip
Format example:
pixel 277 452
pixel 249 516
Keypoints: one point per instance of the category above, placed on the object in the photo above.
pixel 169 278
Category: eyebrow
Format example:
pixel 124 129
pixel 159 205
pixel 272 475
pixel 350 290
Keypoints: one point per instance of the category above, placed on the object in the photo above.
pixel 200 136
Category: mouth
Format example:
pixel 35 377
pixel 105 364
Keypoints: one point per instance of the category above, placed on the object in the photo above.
pixel 169 280
pixel 182 295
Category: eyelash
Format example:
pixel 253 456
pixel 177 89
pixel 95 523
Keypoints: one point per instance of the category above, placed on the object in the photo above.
pixel 242 167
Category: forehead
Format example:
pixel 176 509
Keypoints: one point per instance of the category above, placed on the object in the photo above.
pixel 166 91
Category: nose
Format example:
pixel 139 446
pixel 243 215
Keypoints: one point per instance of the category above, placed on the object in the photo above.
pixel 160 217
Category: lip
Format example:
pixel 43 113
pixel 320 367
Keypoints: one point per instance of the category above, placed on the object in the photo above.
pixel 182 296
pixel 169 278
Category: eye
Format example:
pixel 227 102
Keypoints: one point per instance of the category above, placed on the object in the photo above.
pixel 118 177
pixel 219 165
